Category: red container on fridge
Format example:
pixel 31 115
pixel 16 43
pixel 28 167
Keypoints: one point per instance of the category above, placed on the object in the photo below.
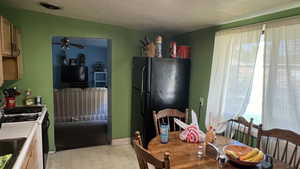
pixel 10 102
pixel 183 52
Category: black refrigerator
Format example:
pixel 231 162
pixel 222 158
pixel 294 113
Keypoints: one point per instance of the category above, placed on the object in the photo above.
pixel 157 83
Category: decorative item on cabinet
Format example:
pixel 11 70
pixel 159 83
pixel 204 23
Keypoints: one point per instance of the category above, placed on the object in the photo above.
pixel 173 49
pixel 158 46
pixel 148 48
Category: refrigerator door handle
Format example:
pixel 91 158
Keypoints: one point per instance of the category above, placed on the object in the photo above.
pixel 142 92
pixel 142 84
pixel 142 108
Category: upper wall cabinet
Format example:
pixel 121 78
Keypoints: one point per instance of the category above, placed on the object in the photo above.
pixel 11 62
pixel 1 71
pixel 15 41
pixel 6 37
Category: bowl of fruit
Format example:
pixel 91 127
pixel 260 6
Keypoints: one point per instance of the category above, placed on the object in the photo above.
pixel 243 155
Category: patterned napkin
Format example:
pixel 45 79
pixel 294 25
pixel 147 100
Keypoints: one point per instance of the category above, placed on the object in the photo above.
pixel 191 133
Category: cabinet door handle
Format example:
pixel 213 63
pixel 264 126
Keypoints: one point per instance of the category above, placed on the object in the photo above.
pixel 15 49
pixel 12 49
pixel 18 52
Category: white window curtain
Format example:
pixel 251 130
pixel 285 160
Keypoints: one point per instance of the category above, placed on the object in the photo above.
pixel 281 102
pixel 234 59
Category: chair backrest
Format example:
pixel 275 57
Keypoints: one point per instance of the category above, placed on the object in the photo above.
pixel 144 157
pixel 280 144
pixel 167 116
pixel 239 129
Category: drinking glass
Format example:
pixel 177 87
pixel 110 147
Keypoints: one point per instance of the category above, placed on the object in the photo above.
pixel 221 161
pixel 201 150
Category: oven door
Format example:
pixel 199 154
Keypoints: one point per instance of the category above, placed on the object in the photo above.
pixel 45 126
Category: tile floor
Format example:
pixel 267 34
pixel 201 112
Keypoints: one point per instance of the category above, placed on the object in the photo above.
pixel 99 157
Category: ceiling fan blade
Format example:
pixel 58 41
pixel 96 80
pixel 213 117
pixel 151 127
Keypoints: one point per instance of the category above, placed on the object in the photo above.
pixel 65 40
pixel 77 45
pixel 55 43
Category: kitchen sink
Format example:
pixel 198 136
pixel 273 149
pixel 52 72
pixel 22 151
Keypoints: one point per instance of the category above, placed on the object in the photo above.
pixel 11 146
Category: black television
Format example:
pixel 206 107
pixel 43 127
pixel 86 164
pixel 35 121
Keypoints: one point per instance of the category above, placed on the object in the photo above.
pixel 76 73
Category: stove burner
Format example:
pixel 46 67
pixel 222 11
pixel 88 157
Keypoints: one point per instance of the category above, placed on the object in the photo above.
pixel 20 118
pixel 23 109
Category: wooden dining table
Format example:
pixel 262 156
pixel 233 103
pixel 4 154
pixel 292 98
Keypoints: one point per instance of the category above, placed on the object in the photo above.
pixel 184 155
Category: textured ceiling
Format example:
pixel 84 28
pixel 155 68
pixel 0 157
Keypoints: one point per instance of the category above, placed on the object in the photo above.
pixel 160 15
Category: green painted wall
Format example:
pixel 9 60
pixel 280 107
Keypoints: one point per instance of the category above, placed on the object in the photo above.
pixel 202 43
pixel 37 31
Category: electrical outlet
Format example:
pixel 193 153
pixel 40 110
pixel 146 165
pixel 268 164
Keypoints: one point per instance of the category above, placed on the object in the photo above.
pixel 201 101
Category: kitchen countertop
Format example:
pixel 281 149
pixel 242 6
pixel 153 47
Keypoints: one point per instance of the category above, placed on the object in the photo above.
pixel 16 130
pixel 25 129
pixel 19 130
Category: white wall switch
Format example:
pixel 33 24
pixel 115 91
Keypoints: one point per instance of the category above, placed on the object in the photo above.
pixel 201 100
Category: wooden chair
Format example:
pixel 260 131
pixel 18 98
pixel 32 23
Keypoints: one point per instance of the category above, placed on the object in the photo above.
pixel 285 140
pixel 167 116
pixel 240 130
pixel 144 157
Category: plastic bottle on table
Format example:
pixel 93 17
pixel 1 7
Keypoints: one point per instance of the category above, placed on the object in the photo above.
pixel 164 133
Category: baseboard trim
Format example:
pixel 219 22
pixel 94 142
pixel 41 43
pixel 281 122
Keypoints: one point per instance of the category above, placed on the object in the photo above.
pixel 120 141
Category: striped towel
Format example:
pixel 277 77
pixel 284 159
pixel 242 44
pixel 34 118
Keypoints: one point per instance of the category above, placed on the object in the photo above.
pixel 4 159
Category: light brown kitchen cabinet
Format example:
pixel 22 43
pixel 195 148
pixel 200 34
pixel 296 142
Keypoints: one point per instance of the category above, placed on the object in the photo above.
pixel 13 66
pixel 31 161
pixel 1 72
pixel 19 56
pixel 11 61
pixel 5 38
pixel 16 41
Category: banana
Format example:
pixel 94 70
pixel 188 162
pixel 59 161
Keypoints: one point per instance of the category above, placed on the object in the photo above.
pixel 256 158
pixel 249 155
pixel 232 154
